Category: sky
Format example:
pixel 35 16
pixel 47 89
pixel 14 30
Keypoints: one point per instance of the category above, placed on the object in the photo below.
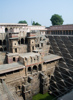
pixel 12 11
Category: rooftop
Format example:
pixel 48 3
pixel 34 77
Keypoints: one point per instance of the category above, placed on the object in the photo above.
pixel 30 54
pixel 10 67
pixel 51 57
pixel 12 24
pixel 37 50
pixel 61 27
pixel 12 54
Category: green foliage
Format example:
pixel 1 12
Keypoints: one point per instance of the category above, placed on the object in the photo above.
pixel 35 23
pixel 23 22
pixel 56 19
pixel 43 97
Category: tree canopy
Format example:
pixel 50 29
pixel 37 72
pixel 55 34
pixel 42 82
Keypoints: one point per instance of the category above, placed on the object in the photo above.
pixel 56 19
pixel 23 22
pixel 35 23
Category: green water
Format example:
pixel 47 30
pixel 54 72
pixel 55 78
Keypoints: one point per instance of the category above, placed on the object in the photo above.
pixel 43 97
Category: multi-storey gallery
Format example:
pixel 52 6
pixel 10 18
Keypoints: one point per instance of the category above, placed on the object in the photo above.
pixel 35 59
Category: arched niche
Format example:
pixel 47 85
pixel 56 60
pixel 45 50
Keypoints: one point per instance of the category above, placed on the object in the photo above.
pixel 4 42
pixel 13 58
pixel 0 42
pixel 22 41
pixel 19 42
pixel 11 29
pixel 39 67
pixel 34 68
pixel 1 49
pixel 6 30
pixel 29 69
pixel 5 49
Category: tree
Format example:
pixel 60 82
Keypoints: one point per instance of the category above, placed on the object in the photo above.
pixel 56 19
pixel 35 23
pixel 23 22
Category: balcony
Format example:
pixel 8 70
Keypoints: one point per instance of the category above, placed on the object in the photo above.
pixel 13 35
pixel 31 35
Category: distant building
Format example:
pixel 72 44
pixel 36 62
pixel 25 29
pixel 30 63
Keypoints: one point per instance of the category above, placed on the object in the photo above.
pixel 60 30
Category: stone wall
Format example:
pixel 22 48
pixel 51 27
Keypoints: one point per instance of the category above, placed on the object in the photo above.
pixel 23 85
pixel 62 82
